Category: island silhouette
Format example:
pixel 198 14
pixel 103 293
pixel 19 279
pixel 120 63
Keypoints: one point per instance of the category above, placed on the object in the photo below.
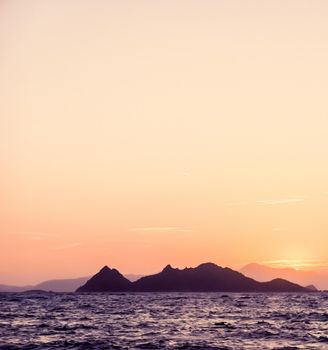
pixel 207 277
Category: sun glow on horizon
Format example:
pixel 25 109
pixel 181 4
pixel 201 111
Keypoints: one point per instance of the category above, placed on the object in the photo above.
pixel 297 264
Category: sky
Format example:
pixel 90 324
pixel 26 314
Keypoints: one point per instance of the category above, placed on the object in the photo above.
pixel 135 134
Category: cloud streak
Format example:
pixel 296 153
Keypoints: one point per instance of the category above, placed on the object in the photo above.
pixel 187 174
pixel 36 236
pixel 69 246
pixel 159 229
pixel 280 201
pixel 300 263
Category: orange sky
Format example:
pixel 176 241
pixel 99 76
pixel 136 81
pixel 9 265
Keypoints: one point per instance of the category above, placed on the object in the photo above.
pixel 141 133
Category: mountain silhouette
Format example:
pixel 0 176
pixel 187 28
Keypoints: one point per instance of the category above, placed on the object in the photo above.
pixel 206 277
pixel 133 277
pixel 312 288
pixel 107 280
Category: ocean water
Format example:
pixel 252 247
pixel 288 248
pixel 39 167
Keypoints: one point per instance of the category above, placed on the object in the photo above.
pixel 164 321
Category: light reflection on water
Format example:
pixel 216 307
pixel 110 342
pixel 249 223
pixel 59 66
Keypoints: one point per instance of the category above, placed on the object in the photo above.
pixel 164 321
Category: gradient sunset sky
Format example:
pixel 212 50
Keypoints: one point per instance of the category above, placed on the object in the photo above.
pixel 141 133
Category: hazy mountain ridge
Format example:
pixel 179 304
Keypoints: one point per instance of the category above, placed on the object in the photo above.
pixel 264 273
pixel 9 288
pixel 62 285
pixel 57 285
pixel 206 277
pixel 66 285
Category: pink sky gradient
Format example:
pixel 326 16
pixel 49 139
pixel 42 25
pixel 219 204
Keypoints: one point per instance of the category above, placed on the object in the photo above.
pixel 141 133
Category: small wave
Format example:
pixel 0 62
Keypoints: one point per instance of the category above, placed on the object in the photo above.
pixel 163 321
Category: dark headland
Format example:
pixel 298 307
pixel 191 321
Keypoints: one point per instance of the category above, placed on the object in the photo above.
pixel 206 277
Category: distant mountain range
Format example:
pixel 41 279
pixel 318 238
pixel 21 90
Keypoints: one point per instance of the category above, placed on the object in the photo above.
pixel 4 288
pixel 264 273
pixel 206 277
pixel 255 271
pixel 58 285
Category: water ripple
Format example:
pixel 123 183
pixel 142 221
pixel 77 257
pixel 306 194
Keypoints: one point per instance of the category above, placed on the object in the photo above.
pixel 163 321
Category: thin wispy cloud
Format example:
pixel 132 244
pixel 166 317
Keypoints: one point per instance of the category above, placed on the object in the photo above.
pixel 187 174
pixel 274 201
pixel 33 233
pixel 36 235
pixel 232 204
pixel 280 201
pixel 160 229
pixel 69 246
pixel 300 263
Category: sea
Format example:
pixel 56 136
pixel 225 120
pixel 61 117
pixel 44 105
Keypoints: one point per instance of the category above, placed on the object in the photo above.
pixel 163 321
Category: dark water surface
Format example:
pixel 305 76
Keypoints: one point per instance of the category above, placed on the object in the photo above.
pixel 164 321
